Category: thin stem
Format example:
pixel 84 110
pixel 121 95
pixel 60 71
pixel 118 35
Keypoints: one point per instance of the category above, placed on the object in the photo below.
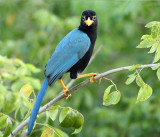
pixel 75 88
pixel 111 82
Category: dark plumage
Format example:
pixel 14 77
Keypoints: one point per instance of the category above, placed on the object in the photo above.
pixel 91 31
pixel 72 55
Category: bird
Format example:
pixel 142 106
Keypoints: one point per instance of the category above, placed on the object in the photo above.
pixel 71 55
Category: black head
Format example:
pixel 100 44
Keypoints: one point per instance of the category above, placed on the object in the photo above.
pixel 88 20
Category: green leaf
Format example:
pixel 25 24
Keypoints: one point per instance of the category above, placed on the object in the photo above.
pixel 157 55
pixel 27 103
pixel 11 102
pixel 153 48
pixel 139 81
pixel 60 133
pixel 76 131
pixel 3 122
pixel 8 128
pixel 146 37
pixel 79 120
pixel 156 67
pixel 1 100
pixel 17 114
pixel 118 98
pixel 26 90
pixel 111 98
pixel 133 67
pixel 53 112
pixel 151 24
pixel 71 118
pixel 67 117
pixel 32 68
pixel 158 73
pixel 146 43
pixel 130 79
pixel 106 92
pixel 49 132
pixel 144 93
pixel 18 62
pixel 35 83
pixel 154 31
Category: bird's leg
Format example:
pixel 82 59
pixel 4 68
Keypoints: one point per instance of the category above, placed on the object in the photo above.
pixel 65 89
pixel 90 75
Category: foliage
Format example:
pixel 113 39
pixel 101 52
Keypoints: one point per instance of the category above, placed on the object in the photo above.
pixel 30 32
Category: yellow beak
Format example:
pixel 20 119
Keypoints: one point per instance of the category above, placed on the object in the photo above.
pixel 89 22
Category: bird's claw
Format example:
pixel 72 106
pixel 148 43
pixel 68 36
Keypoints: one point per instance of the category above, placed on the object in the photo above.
pixel 92 78
pixel 64 92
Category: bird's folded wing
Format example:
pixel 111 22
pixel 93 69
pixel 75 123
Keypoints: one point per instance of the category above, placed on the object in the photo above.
pixel 68 52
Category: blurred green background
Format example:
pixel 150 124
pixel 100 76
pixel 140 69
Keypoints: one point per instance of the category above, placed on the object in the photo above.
pixel 31 29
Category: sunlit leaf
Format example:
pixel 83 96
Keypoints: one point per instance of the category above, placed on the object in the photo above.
pixel 111 98
pixel 26 90
pixel 151 24
pixel 53 112
pixel 17 114
pixel 157 54
pixel 18 62
pixel 118 98
pixel 76 131
pixel 107 91
pixel 139 81
pixel 144 93
pixel 48 133
pixel 22 71
pixel 60 133
pixel 35 83
pixel 146 43
pixel 158 73
pixel 27 103
pixel 154 31
pixel 130 79
pixel 156 67
pixel 3 120
pixel 8 128
pixel 153 48
pixel 11 102
pixel 32 68
pixel 133 67
pixel 146 37
pixel 1 100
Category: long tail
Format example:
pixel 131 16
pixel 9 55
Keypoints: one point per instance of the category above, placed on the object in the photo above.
pixel 37 105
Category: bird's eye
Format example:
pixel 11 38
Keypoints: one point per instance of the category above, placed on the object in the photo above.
pixel 83 17
pixel 94 18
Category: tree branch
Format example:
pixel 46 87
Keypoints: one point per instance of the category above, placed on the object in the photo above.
pixel 75 88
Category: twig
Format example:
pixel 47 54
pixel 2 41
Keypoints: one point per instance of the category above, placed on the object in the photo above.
pixel 82 84
pixel 96 52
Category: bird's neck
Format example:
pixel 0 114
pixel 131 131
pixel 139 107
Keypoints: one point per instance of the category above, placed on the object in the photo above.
pixel 91 32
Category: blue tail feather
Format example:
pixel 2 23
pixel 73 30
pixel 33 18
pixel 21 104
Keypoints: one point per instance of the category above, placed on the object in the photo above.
pixel 37 105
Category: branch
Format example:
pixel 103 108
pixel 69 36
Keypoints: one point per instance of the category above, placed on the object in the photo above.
pixel 80 85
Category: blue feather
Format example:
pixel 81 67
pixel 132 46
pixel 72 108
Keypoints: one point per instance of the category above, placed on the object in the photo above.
pixel 37 105
pixel 67 53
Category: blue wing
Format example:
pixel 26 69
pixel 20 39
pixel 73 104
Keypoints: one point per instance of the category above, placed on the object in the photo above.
pixel 68 52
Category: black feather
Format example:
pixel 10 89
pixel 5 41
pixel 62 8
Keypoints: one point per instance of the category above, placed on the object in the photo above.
pixel 91 31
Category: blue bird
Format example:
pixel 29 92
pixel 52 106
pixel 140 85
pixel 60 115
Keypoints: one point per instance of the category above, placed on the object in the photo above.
pixel 72 55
